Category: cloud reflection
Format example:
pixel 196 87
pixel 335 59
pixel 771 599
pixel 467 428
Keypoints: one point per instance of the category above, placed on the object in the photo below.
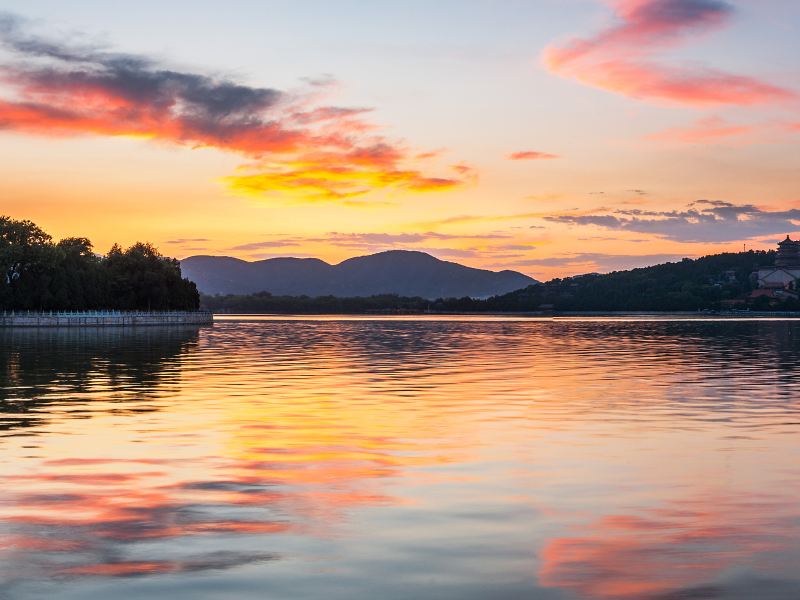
pixel 672 552
pixel 408 448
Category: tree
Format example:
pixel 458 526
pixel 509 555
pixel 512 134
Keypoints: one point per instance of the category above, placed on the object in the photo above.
pixel 36 274
pixel 79 283
pixel 27 257
pixel 142 278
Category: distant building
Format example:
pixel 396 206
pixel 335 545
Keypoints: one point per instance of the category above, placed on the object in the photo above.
pixel 783 279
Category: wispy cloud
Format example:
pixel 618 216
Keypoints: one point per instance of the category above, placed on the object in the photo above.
pixel 295 145
pixel 703 131
pixel 364 241
pixel 623 57
pixel 702 221
pixel 599 262
pixel 464 219
pixel 187 240
pixel 531 155
pixel 491 249
pixel 714 129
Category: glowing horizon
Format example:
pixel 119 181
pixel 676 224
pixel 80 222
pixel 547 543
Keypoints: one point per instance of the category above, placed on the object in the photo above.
pixel 544 138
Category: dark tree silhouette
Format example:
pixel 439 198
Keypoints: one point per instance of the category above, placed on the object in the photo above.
pixel 37 274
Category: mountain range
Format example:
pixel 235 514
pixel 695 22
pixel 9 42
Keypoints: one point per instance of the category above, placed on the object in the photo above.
pixel 402 272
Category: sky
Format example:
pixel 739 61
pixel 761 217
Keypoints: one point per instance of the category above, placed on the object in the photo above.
pixel 552 137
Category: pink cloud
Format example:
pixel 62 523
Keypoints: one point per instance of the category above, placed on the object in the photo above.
pixel 620 58
pixel 664 552
pixel 714 129
pixel 704 131
pixel 531 155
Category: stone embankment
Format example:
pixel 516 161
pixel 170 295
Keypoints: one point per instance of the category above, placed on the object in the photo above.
pixel 102 318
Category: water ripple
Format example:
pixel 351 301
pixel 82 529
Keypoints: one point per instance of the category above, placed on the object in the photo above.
pixel 395 458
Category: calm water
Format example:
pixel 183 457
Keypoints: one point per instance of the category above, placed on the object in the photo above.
pixel 447 459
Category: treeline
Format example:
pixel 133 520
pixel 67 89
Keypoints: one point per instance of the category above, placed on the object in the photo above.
pixel 710 283
pixel 264 302
pixel 38 274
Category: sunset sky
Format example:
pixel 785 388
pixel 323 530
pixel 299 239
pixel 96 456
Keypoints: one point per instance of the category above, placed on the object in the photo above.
pixel 553 137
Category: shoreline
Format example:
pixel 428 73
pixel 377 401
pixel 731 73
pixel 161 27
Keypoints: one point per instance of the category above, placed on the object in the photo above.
pixel 532 314
pixel 127 319
pixel 101 318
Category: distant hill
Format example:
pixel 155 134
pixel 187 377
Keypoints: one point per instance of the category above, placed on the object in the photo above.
pixel 401 272
pixel 709 282
pixel 720 281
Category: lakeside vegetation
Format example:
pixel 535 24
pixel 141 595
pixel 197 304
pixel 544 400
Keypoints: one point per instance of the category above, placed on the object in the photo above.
pixel 712 282
pixel 715 282
pixel 38 274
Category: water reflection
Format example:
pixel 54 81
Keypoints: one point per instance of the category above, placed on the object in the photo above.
pixel 43 366
pixel 441 459
pixel 685 550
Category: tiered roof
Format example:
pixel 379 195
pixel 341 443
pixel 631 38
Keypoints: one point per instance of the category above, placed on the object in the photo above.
pixel 788 253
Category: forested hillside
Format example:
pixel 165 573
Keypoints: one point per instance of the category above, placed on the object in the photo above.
pixel 703 283
pixel 710 283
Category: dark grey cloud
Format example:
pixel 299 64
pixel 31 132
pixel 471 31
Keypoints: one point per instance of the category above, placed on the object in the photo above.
pixel 713 221
pixel 681 12
pixel 59 87
pixel 207 102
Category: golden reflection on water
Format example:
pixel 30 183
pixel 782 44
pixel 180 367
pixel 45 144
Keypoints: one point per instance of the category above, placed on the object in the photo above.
pixel 463 458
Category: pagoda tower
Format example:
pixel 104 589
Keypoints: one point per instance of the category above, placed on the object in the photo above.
pixel 788 253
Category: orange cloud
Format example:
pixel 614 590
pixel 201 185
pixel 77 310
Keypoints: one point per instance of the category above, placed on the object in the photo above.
pixel 619 59
pixel 329 182
pixel 324 152
pixel 531 155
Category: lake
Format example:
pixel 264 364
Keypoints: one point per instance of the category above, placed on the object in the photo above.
pixel 397 458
